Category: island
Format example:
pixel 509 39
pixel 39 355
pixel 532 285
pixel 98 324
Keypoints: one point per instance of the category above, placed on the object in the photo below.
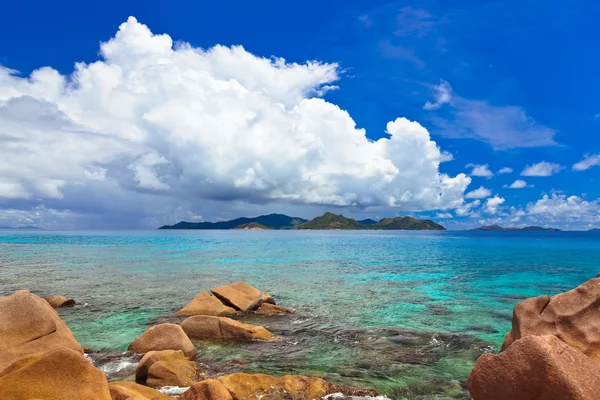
pixel 527 228
pixel 327 221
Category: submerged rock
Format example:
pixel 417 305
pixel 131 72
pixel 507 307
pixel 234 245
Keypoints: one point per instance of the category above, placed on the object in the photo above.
pixel 573 317
pixel 535 368
pixel 167 368
pixel 260 386
pixel 61 374
pixel 29 325
pixel 206 327
pixel 133 391
pixel 205 304
pixel 271 309
pixel 59 301
pixel 164 337
pixel 239 295
pixel 209 389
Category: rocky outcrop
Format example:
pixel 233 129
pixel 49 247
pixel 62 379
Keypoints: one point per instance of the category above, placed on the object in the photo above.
pixel 167 368
pixel 205 304
pixel 163 337
pixel 271 309
pixel 573 317
pixel 239 296
pixel 535 368
pixel 259 386
pixel 133 391
pixel 29 325
pixel 209 389
pixel 60 374
pixel 59 301
pixel 221 328
pixel 267 298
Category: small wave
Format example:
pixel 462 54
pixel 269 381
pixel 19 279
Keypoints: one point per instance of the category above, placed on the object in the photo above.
pixel 173 390
pixel 117 366
pixel 339 396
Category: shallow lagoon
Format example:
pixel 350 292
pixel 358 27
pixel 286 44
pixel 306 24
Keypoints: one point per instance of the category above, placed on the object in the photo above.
pixel 404 312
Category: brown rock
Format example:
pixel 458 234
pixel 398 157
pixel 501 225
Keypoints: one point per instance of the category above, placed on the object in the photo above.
pixel 29 325
pixel 164 337
pixel 207 327
pixel 205 304
pixel 271 309
pixel 258 386
pixel 167 368
pixel 209 389
pixel 535 368
pixel 133 391
pixel 239 295
pixel 573 317
pixel 59 301
pixel 61 374
pixel 267 298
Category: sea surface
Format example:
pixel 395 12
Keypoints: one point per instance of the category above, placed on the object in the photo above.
pixel 407 313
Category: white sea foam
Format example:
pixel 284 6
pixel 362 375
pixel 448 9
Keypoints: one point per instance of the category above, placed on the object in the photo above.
pixel 117 366
pixel 173 390
pixel 335 396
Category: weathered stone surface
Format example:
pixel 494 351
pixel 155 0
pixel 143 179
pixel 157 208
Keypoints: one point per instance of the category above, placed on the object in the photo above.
pixel 221 328
pixel 209 389
pixel 133 391
pixel 164 337
pixel 267 298
pixel 205 304
pixel 535 368
pixel 258 386
pixel 29 325
pixel 239 295
pixel 271 309
pixel 59 301
pixel 573 317
pixel 61 374
pixel 167 368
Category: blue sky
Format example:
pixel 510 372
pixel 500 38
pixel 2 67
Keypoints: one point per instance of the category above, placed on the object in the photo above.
pixel 504 84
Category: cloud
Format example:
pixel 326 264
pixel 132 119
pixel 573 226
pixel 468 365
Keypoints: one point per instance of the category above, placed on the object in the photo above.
pixel 154 132
pixel 480 170
pixel 543 168
pixel 467 208
pixel 589 160
pixel 443 95
pixel 559 207
pixel 505 170
pixel 518 184
pixel 400 52
pixel 493 203
pixel 480 193
pixel 445 215
pixel 415 22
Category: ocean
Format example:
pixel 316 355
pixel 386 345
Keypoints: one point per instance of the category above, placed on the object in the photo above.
pixel 406 313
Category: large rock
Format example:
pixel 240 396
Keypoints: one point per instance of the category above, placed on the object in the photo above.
pixel 259 386
pixel 29 325
pixel 267 298
pixel 209 389
pixel 133 391
pixel 573 317
pixel 167 368
pixel 163 337
pixel 272 309
pixel 205 304
pixel 61 374
pixel 221 328
pixel 239 295
pixel 59 301
pixel 535 368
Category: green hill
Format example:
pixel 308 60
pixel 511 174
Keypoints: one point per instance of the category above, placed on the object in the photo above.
pixel 332 221
pixel 407 223
pixel 272 221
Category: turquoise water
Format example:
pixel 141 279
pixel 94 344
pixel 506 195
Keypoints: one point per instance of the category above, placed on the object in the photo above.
pixel 405 312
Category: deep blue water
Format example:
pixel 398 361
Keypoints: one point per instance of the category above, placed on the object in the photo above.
pixel 406 312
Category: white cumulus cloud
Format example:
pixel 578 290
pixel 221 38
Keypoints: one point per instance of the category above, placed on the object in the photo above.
pixel 493 203
pixel 480 170
pixel 518 184
pixel 443 95
pixel 543 168
pixel 505 170
pixel 589 161
pixel 153 128
pixel 480 193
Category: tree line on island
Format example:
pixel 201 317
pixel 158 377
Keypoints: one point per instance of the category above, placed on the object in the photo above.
pixel 327 221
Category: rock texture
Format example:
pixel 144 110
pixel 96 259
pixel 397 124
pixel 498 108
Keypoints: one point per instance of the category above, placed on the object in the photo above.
pixel 573 317
pixel 239 295
pixel 221 328
pixel 167 368
pixel 59 301
pixel 205 304
pixel 267 298
pixel 209 389
pixel 271 309
pixel 29 325
pixel 133 391
pixel 535 368
pixel 259 386
pixel 163 337
pixel 61 374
